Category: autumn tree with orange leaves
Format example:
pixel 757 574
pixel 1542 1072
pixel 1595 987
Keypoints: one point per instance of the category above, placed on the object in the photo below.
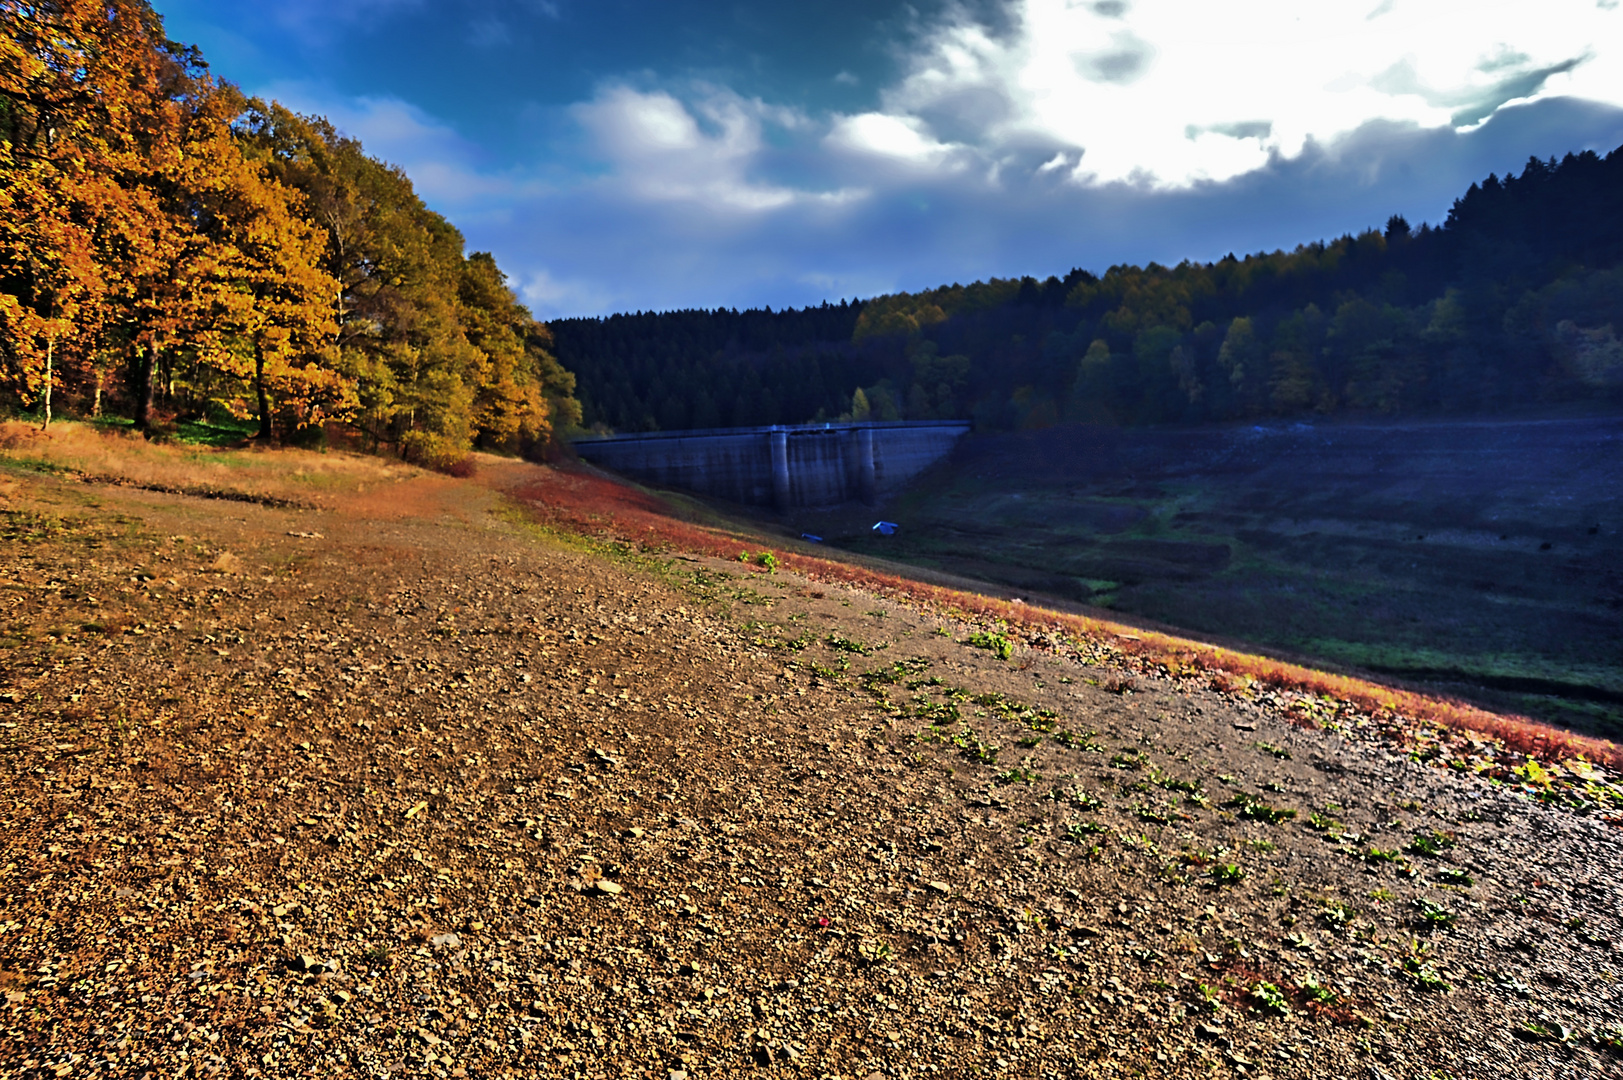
pixel 232 258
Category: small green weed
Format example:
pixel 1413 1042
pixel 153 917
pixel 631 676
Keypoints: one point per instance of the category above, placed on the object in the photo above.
pixel 1277 751
pixel 1335 915
pixel 1170 783
pixel 845 644
pixel 1373 854
pixel 1316 992
pixel 1227 874
pixel 992 642
pixel 1432 844
pixel 1253 809
pixel 1075 797
pixel 1018 775
pixel 1433 916
pixel 1269 998
pixel 1425 976
pixel 1078 831
pixel 1078 740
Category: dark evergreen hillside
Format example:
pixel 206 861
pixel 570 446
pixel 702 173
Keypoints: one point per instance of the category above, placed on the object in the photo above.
pixel 1516 299
pixel 690 369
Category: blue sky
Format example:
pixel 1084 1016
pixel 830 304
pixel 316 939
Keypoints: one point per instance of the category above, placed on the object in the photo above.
pixel 632 155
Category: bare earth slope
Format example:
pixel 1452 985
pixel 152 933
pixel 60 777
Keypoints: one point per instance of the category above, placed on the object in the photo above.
pixel 412 788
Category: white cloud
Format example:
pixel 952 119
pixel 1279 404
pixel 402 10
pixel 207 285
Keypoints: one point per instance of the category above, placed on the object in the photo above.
pixel 1174 93
pixel 899 137
pixel 710 151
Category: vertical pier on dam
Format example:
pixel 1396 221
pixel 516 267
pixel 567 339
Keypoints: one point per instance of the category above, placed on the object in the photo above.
pixel 781 466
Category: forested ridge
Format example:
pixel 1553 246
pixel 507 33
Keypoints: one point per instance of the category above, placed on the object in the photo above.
pixel 172 249
pixel 1516 299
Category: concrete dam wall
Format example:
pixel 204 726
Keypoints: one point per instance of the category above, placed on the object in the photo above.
pixel 810 465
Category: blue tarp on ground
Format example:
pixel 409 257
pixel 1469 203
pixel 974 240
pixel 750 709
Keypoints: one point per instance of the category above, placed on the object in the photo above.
pixel 885 528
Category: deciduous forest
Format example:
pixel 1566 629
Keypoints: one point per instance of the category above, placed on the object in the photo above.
pixel 1515 299
pixel 171 249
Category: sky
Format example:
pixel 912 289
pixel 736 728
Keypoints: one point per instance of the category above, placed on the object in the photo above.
pixel 629 155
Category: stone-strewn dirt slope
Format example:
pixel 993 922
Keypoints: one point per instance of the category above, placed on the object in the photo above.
pixel 414 789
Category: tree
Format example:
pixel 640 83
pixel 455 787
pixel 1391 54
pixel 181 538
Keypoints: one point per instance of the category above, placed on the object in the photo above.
pixel 262 305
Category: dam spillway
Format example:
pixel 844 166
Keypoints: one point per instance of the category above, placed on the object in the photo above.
pixel 780 466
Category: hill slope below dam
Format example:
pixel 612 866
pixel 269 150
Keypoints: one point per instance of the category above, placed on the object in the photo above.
pixel 1480 558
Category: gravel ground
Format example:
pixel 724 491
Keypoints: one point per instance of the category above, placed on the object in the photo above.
pixel 416 789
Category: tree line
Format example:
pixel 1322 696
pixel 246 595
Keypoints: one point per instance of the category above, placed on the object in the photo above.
pixel 170 248
pixel 1515 299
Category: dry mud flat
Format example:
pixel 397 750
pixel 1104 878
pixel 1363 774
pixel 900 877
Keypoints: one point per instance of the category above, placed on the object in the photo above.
pixel 414 790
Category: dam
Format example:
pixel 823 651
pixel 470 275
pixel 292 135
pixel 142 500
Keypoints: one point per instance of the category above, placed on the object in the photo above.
pixel 781 466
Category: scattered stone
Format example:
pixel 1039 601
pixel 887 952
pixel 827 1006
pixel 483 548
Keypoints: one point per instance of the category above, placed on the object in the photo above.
pixel 607 888
pixel 940 887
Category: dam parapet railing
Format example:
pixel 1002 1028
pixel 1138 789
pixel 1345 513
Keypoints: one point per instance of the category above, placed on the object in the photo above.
pixel 782 466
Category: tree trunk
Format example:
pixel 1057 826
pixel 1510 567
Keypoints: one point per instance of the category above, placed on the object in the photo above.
pixel 45 410
pixel 264 398
pixel 143 388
